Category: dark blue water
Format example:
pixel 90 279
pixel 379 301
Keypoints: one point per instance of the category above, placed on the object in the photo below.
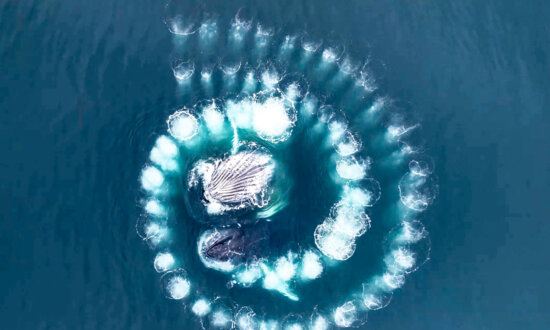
pixel 86 87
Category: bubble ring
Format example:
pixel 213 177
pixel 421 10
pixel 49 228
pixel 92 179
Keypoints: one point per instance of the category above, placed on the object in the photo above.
pixel 375 293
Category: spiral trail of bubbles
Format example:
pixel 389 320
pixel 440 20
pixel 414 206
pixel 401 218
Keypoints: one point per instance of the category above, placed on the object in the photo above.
pixel 270 99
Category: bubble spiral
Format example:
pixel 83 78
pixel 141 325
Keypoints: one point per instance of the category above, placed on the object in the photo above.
pixel 286 140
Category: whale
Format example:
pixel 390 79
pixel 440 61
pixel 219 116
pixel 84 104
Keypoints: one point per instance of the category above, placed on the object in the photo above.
pixel 226 248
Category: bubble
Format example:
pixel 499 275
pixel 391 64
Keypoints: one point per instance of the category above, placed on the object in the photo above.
pixel 410 232
pixel 178 25
pixel 272 120
pixel 249 275
pixel 417 192
pixel 164 261
pixel 333 244
pixel 347 145
pixel 270 79
pixel 208 31
pixel 176 284
pixel 311 266
pixel 262 36
pixel 155 208
pixel 269 325
pixel 230 66
pixel 151 178
pixel 351 168
pixel 393 281
pixel 164 154
pixel 221 319
pixel 239 29
pixel 182 125
pixel 285 267
pixel 365 194
pixel 319 322
pixel 349 315
pixel 400 260
pixel 310 44
pixel 201 307
pixel 420 167
pixel 273 282
pixel 329 55
pixel 374 298
pixel 213 118
pixel 246 319
pixel 337 128
pixel 233 169
pixel 349 220
pixel 183 70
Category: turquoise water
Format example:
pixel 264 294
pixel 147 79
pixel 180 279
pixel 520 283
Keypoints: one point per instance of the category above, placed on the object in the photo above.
pixel 86 89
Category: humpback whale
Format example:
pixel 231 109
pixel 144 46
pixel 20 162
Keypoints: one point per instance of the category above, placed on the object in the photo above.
pixel 239 181
pixel 226 248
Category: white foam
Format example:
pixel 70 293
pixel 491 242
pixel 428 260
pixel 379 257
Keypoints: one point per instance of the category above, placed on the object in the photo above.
pixel 270 79
pixel 178 26
pixel 201 307
pixel 151 178
pixel 285 267
pixel 246 319
pixel 345 315
pixel 208 31
pixel 182 125
pixel 165 153
pixel 356 196
pixel 294 326
pixel 164 261
pixel 152 229
pixel 221 319
pixel 333 244
pixel 272 120
pixel 347 145
pixel 411 232
pixel 155 208
pixel 319 323
pixel 349 220
pixel 178 287
pixel 351 169
pixel 311 266
pixel 250 83
pixel 329 55
pixel 400 260
pixel 262 36
pixel 239 29
pixel 269 325
pixel 393 281
pixel 249 275
pixel 337 129
pixel 213 118
pixel 240 113
pixel 183 71
pixel 206 75
pixel 273 282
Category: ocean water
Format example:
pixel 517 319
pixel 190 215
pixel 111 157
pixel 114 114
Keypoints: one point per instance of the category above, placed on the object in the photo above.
pixel 86 89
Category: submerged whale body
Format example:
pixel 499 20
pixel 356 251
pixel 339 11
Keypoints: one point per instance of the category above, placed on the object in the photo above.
pixel 239 181
pixel 226 248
